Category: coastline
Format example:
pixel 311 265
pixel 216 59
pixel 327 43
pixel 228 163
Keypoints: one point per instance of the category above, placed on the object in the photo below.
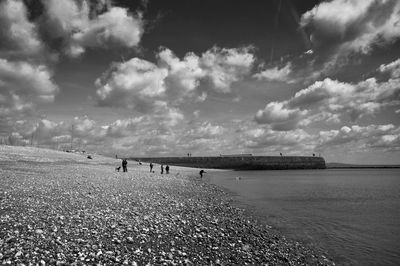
pixel 64 209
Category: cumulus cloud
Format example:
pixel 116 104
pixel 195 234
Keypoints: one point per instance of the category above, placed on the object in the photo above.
pixel 340 28
pixel 204 130
pixel 225 66
pixel 276 74
pixel 261 138
pixel 183 75
pixel 80 26
pixel 18 36
pixel 331 100
pixel 22 85
pixel 393 68
pixel 142 85
pixel 281 117
pixel 383 137
pixel 135 84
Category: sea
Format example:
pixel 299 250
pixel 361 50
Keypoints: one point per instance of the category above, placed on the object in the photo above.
pixel 352 214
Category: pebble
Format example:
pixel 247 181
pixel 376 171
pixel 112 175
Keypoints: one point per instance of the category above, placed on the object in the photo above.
pixel 86 213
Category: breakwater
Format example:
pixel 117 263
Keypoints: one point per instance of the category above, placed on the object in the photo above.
pixel 241 163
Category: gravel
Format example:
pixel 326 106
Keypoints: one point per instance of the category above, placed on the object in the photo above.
pixel 60 208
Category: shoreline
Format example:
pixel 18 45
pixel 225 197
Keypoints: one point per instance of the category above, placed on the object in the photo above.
pixel 253 211
pixel 84 212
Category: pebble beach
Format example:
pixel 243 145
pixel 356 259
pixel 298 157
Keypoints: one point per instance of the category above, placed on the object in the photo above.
pixel 59 208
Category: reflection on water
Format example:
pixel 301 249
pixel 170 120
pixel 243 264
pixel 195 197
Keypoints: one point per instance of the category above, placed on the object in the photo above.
pixel 354 214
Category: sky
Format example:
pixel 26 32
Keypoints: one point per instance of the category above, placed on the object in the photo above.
pixel 167 78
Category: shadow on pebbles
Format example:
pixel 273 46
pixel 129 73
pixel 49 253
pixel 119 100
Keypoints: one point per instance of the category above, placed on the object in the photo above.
pixel 63 209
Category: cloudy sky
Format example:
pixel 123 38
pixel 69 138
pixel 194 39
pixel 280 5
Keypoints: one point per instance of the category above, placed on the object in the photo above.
pixel 161 78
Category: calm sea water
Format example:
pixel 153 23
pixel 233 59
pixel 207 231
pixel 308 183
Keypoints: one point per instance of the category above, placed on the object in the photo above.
pixel 353 214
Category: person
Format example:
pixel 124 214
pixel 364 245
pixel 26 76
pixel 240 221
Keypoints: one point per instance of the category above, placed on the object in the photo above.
pixel 167 169
pixel 151 167
pixel 124 165
pixel 202 172
pixel 162 169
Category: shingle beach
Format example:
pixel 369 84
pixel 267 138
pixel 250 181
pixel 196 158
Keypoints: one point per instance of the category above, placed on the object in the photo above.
pixel 60 208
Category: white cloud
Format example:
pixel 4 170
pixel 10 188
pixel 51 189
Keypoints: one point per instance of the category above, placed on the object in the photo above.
pixel 18 36
pixel 204 130
pixel 331 100
pixel 276 74
pixel 136 84
pixel 81 27
pixel 22 85
pixel 267 140
pixel 340 28
pixel 140 85
pixel 225 66
pixel 366 138
pixel 183 75
pixel 278 115
pixel 393 68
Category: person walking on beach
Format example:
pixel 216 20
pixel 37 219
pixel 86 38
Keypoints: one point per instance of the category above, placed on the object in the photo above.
pixel 151 167
pixel 162 169
pixel 201 173
pixel 124 165
pixel 167 169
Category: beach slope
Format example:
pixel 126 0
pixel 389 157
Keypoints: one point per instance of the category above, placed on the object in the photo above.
pixel 64 209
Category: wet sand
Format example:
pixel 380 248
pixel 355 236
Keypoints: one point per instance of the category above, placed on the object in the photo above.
pixel 60 208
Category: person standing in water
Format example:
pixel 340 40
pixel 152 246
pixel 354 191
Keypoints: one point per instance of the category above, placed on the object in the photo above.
pixel 151 167
pixel 162 169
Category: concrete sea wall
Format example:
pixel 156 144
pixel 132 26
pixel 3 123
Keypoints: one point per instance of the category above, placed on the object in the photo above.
pixel 242 163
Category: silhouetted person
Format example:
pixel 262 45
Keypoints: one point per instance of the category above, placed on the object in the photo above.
pixel 281 154
pixel 167 169
pixel 162 169
pixel 313 154
pixel 124 165
pixel 201 173
pixel 151 167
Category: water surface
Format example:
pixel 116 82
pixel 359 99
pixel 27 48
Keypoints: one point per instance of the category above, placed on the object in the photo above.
pixel 354 214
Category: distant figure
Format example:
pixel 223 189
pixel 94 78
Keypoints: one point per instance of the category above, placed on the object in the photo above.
pixel 162 169
pixel 151 167
pixel 281 154
pixel 124 165
pixel 116 156
pixel 167 169
pixel 118 168
pixel 201 173
pixel 313 154
pixel 188 154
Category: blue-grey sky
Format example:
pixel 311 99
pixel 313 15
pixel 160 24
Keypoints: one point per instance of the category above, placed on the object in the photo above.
pixel 203 77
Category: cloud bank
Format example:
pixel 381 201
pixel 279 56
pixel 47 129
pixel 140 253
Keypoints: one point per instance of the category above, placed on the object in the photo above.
pixel 142 85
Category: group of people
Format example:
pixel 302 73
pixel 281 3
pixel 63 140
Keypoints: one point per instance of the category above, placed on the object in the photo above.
pixel 125 168
pixel 162 168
